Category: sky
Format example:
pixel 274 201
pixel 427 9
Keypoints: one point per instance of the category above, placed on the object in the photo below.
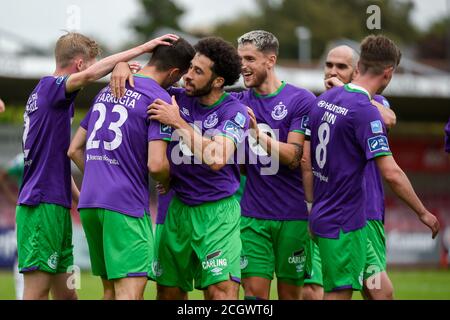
pixel 42 21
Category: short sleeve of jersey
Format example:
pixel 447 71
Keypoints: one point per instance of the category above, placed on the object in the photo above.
pixel 235 123
pixel 175 91
pixel 299 120
pixel 157 130
pixel 371 133
pixel 56 92
pixel 382 100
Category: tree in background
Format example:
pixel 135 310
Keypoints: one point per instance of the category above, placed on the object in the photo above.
pixel 435 43
pixel 326 19
pixel 157 14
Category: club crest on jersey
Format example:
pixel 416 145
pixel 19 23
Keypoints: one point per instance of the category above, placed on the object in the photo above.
pixel 378 143
pixel 60 79
pixel 376 126
pixel 211 121
pixel 279 111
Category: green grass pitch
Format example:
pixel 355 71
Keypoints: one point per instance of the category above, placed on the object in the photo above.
pixel 408 284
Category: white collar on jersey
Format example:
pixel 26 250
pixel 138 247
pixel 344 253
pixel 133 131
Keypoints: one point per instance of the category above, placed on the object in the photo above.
pixel 359 88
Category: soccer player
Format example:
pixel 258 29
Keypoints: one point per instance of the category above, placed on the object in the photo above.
pixel 346 132
pixel 201 239
pixel 116 147
pixel 44 229
pixel 341 68
pixel 274 229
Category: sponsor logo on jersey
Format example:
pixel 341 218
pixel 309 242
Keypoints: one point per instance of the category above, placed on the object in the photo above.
pixel 376 126
pixel 378 143
pixel 240 119
pixel 234 130
pixel 211 120
pixel 304 125
pixel 279 111
pixel 165 129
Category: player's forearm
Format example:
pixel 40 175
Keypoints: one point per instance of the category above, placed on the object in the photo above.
pixel 77 156
pixel 400 184
pixel 288 154
pixel 106 65
pixel 308 179
pixel 75 191
pixel 196 143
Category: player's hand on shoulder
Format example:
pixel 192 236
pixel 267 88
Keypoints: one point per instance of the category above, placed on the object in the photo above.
pixel 166 113
pixel 119 77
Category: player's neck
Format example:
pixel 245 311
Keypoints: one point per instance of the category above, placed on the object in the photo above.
pixel 369 83
pixel 151 72
pixel 269 86
pixel 211 98
pixel 65 71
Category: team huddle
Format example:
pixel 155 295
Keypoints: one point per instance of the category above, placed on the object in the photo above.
pixel 268 181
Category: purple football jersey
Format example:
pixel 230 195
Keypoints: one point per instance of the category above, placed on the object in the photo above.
pixel 346 132
pixel 196 183
pixel 118 132
pixel 46 139
pixel 279 194
pixel 447 137
pixel 163 205
pixel 374 183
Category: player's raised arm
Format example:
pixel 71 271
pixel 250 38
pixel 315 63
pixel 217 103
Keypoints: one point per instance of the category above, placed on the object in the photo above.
pixel 400 184
pixel 77 148
pixel 101 68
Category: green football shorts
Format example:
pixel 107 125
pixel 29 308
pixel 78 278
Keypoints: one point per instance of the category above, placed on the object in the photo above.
pixel 120 246
pixel 376 256
pixel 313 270
pixel 200 243
pixel 270 246
pixel 343 260
pixel 44 238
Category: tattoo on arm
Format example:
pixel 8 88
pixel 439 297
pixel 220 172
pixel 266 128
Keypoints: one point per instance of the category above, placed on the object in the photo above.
pixel 295 163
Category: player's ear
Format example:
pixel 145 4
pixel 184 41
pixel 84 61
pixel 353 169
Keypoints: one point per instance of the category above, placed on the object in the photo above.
pixel 218 82
pixel 271 60
pixel 79 65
